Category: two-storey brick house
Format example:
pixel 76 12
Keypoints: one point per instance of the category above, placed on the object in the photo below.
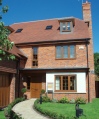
pixel 59 56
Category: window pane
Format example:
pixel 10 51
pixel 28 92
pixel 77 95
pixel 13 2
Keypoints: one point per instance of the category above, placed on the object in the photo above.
pixel 57 82
pixel 65 82
pixel 65 50
pixel 72 83
pixel 35 53
pixel 58 52
pixel 68 26
pixel 72 51
pixel 64 26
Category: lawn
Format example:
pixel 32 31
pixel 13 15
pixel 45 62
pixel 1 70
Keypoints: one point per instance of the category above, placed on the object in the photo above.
pixel 91 110
pixel 2 115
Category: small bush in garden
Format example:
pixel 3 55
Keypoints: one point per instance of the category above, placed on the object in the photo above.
pixel 80 100
pixel 23 90
pixel 8 111
pixel 54 100
pixel 42 91
pixel 64 100
pixel 72 101
pixel 46 99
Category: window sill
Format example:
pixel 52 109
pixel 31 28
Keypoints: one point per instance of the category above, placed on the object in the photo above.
pixel 70 92
pixel 65 58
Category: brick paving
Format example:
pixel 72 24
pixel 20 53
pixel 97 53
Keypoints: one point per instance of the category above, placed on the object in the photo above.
pixel 26 111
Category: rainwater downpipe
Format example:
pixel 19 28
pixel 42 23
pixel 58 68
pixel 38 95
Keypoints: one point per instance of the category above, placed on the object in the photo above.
pixel 88 71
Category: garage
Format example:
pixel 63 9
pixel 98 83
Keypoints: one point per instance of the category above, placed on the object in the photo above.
pixel 4 89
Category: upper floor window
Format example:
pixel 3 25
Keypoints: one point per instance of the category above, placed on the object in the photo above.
pixel 35 56
pixel 65 83
pixel 65 26
pixel 66 51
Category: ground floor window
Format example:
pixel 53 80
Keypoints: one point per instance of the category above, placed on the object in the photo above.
pixel 65 83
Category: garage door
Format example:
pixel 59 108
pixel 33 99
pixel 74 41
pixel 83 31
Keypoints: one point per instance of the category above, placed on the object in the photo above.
pixel 4 90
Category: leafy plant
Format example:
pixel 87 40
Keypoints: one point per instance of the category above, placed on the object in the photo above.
pixel 8 110
pixel 80 100
pixel 46 99
pixel 64 100
pixel 42 91
pixel 72 101
pixel 54 100
pixel 23 90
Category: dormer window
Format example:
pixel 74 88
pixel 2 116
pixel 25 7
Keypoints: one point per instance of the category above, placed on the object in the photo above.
pixel 66 26
pixel 18 30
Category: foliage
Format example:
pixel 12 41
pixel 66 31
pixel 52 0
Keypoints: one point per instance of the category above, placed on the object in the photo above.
pixel 80 100
pixel 23 90
pixel 96 63
pixel 46 99
pixel 72 101
pixel 8 110
pixel 5 44
pixel 42 91
pixel 64 100
pixel 67 111
pixel 54 100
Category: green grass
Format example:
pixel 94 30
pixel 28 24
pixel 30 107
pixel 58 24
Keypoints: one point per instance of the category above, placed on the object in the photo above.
pixel 91 110
pixel 2 115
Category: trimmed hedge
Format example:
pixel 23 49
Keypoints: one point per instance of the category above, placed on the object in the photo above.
pixel 8 110
pixel 52 115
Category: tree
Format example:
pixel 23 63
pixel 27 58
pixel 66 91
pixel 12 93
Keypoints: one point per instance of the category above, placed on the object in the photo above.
pixel 5 44
pixel 96 63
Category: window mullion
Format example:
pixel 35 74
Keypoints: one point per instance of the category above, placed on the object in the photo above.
pixel 61 83
pixel 68 83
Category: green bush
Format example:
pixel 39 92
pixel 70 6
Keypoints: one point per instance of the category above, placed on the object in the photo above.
pixel 46 99
pixel 64 100
pixel 52 115
pixel 72 101
pixel 23 90
pixel 8 110
pixel 54 100
pixel 80 100
pixel 42 91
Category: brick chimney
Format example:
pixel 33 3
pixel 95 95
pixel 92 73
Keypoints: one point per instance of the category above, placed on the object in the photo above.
pixel 91 79
pixel 87 15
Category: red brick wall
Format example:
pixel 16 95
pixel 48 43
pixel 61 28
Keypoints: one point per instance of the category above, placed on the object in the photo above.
pixel 87 17
pixel 12 88
pixel 46 57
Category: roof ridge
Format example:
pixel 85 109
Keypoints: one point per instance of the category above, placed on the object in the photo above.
pixel 45 20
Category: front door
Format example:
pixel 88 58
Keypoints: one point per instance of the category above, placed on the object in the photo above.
pixel 36 86
pixel 4 90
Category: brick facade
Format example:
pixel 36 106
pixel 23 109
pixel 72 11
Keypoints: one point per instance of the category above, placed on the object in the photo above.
pixel 87 17
pixel 12 87
pixel 47 59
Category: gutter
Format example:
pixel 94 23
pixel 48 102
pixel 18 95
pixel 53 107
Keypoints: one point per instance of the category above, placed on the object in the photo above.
pixel 88 72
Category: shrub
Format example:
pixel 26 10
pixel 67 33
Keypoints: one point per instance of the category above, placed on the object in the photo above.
pixel 54 100
pixel 72 101
pixel 42 91
pixel 8 110
pixel 80 100
pixel 23 90
pixel 64 100
pixel 46 99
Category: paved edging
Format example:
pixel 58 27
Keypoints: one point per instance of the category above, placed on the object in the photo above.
pixel 26 111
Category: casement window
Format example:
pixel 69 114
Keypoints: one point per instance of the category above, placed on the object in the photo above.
pixel 35 57
pixel 65 52
pixel 66 26
pixel 65 83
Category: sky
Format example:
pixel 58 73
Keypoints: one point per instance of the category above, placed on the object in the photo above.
pixel 32 10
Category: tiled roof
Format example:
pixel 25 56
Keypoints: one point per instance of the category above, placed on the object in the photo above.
pixel 35 31
pixel 15 51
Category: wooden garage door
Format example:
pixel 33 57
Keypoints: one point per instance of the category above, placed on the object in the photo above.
pixel 4 90
pixel 35 87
